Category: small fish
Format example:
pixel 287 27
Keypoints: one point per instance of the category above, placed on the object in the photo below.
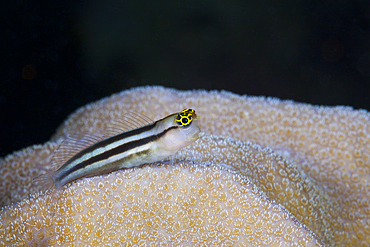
pixel 144 144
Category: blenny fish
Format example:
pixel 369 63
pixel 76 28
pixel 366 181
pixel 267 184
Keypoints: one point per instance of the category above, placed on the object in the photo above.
pixel 148 143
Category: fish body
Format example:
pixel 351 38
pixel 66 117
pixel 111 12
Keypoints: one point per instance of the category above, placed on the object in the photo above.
pixel 150 143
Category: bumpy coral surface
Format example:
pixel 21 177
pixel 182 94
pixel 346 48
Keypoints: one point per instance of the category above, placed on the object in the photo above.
pixel 316 167
pixel 161 205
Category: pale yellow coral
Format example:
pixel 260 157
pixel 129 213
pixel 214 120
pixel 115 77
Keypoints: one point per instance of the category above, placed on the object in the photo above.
pixel 321 175
pixel 161 205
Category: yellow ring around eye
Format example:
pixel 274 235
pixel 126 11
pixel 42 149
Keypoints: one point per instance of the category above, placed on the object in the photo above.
pixel 185 118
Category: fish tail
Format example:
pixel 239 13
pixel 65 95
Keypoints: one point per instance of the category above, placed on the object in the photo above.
pixel 46 185
pixel 45 181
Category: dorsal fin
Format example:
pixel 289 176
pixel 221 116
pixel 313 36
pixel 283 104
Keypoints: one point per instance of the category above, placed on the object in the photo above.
pixel 66 150
pixel 131 120
pixel 71 146
pixel 77 142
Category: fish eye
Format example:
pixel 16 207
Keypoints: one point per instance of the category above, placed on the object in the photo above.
pixel 185 118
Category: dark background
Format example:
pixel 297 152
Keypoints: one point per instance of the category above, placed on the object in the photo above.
pixel 60 55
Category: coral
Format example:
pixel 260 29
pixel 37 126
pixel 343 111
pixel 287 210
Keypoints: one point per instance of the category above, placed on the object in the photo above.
pixel 176 204
pixel 316 167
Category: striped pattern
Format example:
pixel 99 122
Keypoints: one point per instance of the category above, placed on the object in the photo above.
pixel 125 150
